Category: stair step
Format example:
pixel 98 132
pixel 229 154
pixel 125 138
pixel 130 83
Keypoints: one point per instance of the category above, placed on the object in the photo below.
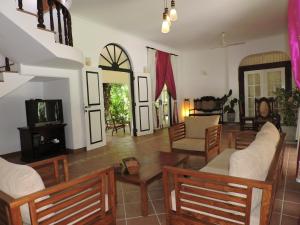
pixel 47 30
pixel 27 12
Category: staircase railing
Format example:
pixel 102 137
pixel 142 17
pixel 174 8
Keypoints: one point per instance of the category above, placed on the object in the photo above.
pixel 6 67
pixel 64 21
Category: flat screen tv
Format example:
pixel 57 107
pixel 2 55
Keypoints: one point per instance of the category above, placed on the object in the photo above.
pixel 44 112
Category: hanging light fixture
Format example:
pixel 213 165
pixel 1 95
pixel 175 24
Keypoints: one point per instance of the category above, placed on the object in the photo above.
pixel 165 28
pixel 168 17
pixel 173 12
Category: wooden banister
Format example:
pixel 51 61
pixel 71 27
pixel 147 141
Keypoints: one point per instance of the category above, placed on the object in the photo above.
pixel 64 21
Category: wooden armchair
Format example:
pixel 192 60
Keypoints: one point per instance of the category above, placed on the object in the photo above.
pixel 264 111
pixel 86 200
pixel 208 146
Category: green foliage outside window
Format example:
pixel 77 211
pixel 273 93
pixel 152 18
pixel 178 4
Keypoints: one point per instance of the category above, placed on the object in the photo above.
pixel 118 102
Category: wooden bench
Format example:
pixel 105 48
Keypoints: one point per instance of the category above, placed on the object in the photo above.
pixel 209 198
pixel 89 199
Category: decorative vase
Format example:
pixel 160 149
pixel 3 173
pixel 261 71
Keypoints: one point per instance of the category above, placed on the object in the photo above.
pixel 231 117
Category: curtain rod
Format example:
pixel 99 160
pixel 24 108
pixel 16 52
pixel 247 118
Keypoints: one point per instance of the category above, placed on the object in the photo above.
pixel 157 50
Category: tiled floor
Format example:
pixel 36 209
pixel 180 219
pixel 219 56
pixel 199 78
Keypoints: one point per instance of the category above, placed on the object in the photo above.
pixel 286 209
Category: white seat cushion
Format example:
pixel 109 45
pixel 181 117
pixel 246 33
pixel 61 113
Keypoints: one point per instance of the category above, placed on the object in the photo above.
pixel 192 144
pixel 195 126
pixel 18 181
pixel 220 164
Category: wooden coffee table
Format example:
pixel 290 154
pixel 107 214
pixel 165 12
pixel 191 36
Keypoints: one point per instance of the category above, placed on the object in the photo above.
pixel 150 170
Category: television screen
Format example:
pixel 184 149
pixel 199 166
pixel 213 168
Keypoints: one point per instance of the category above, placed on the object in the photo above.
pixel 43 112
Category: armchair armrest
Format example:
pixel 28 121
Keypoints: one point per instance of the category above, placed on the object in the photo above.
pixel 52 169
pixel 85 200
pixel 193 197
pixel 176 132
pixel 5 202
pixel 240 140
pixel 212 141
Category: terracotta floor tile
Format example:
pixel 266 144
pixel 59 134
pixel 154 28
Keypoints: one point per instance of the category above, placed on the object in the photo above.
pixel 287 220
pixel 130 188
pixel 121 222
pixel 291 209
pixel 162 219
pixel 150 220
pixel 156 194
pixel 134 209
pixel 159 206
pixel 292 196
pixel 120 211
pixel 275 219
pixel 132 197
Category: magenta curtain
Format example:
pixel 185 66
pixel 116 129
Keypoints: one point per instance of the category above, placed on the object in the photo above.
pixel 164 75
pixel 294 37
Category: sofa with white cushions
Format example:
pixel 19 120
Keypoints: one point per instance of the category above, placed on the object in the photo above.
pixel 24 199
pixel 236 187
pixel 199 135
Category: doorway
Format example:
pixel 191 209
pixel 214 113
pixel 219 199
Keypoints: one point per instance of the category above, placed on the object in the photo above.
pixel 118 74
pixel 117 104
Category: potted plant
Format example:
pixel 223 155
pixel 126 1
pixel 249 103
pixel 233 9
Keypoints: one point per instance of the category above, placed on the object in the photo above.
pixel 288 104
pixel 229 109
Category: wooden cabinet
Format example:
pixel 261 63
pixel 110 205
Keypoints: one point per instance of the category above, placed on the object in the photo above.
pixel 42 142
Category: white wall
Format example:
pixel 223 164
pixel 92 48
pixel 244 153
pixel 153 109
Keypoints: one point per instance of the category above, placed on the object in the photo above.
pixel 215 71
pixel 13 115
pixel 59 89
pixel 73 107
pixel 91 38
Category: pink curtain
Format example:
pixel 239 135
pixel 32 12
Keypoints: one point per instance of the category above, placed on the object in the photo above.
pixel 294 37
pixel 164 75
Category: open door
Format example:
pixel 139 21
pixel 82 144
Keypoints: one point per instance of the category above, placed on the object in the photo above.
pixel 143 109
pixel 93 108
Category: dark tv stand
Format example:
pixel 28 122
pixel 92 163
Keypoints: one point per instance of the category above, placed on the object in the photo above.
pixel 42 142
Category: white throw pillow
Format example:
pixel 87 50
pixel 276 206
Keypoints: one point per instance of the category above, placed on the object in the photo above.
pixel 270 133
pixel 195 126
pixel 18 181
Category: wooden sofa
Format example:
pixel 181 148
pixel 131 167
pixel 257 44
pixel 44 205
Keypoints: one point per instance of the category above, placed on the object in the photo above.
pixel 197 136
pixel 86 200
pixel 202 197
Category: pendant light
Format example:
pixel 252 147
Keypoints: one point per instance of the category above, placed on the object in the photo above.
pixel 173 12
pixel 165 28
pixel 168 16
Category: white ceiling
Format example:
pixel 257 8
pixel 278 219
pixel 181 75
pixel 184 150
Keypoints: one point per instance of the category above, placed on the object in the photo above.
pixel 200 23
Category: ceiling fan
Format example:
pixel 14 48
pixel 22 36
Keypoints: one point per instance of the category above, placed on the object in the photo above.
pixel 225 44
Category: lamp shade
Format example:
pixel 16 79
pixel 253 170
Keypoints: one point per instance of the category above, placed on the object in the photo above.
pixel 187 106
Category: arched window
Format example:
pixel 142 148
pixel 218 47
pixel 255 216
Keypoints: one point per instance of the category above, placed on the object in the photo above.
pixel 114 57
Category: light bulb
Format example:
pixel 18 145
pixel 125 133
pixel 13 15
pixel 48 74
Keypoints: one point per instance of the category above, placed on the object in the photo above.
pixel 167 16
pixel 173 15
pixel 165 28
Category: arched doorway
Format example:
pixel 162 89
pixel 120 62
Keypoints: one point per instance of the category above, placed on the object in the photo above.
pixel 114 58
pixel 260 75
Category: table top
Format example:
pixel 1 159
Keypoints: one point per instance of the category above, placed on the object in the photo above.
pixel 151 166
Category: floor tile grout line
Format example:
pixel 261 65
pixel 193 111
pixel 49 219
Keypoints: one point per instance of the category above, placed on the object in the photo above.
pixel 154 209
pixel 124 207
pixel 284 187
